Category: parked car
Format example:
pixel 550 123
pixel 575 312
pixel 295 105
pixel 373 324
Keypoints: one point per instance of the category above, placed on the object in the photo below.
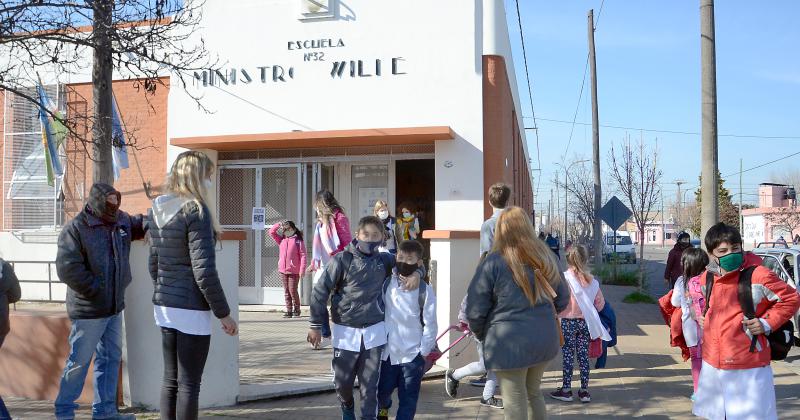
pixel 782 260
pixel 625 249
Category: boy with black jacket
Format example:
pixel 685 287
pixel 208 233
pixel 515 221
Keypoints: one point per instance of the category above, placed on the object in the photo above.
pixel 353 280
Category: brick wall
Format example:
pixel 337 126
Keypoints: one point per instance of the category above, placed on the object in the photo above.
pixel 2 150
pixel 145 116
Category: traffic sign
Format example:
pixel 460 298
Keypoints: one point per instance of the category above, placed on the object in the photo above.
pixel 615 213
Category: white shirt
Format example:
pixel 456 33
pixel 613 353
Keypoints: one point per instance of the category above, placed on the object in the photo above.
pixel 187 321
pixel 407 337
pixel 350 339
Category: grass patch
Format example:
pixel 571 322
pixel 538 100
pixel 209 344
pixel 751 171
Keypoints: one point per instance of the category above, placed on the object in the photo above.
pixel 625 276
pixel 638 297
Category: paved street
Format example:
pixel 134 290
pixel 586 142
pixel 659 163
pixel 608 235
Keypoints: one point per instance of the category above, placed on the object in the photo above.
pixel 645 378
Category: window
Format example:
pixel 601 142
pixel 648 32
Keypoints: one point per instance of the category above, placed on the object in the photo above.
pixel 29 201
pixel 772 263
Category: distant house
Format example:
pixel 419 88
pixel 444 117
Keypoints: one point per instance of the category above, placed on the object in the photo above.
pixel 774 217
pixel 655 230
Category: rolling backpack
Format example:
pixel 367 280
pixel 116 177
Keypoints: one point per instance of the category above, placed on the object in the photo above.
pixel 780 339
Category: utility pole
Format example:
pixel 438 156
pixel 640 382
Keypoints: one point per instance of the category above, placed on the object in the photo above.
pixel 663 221
pixel 565 205
pixel 709 212
pixel 550 213
pixel 741 219
pixel 679 209
pixel 598 239
pixel 102 72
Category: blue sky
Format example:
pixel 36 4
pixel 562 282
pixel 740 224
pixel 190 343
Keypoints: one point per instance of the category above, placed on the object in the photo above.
pixel 648 64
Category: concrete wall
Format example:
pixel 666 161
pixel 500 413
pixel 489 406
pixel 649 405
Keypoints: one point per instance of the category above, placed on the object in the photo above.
pixel 456 260
pixel 142 349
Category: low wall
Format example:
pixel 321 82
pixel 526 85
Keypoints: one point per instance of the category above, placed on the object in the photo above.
pixel 33 356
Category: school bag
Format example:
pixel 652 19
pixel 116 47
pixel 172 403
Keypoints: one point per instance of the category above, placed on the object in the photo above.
pixel 780 339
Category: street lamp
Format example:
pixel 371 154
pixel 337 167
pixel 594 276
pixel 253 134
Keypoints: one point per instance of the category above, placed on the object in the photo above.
pixel 566 190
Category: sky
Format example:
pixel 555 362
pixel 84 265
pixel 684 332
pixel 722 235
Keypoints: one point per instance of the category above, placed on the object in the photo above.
pixel 648 66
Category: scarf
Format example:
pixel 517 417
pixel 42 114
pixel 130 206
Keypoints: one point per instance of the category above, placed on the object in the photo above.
pixel 584 296
pixel 326 242
pixel 406 223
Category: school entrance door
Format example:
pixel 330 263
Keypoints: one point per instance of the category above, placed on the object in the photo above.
pixel 286 192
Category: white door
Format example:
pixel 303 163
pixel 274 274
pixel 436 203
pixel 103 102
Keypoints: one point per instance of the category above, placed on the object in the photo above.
pixel 277 188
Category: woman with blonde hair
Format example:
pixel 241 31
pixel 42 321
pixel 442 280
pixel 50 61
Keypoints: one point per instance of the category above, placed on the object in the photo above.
pixel 188 291
pixel 580 322
pixel 517 288
pixel 381 211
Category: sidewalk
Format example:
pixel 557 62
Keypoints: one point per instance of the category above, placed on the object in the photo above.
pixel 645 378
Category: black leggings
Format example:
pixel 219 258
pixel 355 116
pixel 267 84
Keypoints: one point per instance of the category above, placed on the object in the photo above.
pixel 184 359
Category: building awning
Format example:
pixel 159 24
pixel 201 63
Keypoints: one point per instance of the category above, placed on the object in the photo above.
pixel 330 138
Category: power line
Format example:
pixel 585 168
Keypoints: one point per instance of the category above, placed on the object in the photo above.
pixel 530 94
pixel 689 133
pixel 762 165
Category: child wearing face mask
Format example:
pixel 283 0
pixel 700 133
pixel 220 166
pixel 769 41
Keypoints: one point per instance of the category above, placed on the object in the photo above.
pixel 291 263
pixel 407 224
pixel 736 379
pixel 381 210
pixel 411 327
pixel 353 281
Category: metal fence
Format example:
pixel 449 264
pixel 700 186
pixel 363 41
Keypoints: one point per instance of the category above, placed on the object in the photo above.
pixel 39 281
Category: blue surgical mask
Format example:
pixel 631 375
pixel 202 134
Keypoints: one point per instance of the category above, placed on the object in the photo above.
pixel 367 247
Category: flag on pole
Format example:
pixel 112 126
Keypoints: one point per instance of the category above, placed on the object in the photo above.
pixel 119 153
pixel 53 134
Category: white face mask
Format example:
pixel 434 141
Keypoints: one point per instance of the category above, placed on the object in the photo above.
pixel 383 214
pixel 207 184
pixel 406 214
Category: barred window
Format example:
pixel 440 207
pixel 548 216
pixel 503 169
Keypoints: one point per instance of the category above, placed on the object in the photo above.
pixel 30 203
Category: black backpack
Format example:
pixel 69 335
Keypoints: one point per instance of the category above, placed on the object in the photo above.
pixel 781 339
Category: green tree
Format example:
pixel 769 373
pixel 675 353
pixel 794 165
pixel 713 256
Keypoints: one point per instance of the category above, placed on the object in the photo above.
pixel 728 212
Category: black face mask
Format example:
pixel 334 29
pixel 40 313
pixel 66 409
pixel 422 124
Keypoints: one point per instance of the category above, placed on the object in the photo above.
pixel 405 269
pixel 99 205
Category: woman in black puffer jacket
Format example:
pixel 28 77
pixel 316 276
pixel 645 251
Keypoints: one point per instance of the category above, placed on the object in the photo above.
pixel 187 287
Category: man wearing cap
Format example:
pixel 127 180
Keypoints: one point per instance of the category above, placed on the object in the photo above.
pixel 93 260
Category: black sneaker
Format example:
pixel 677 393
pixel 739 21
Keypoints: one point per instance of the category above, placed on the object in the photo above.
pixel 450 384
pixel 561 395
pixel 297 313
pixel 287 314
pixel 584 396
pixel 492 403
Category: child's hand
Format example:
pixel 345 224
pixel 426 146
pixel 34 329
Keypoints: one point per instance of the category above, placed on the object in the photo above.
pixel 314 337
pixel 410 282
pixel 701 320
pixel 754 326
pixel 311 268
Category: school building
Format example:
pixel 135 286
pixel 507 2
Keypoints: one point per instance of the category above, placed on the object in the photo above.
pixel 415 103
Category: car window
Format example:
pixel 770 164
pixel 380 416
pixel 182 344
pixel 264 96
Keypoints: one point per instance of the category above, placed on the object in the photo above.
pixel 621 240
pixel 773 264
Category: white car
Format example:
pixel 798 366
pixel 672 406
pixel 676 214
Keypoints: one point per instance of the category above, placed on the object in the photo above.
pixel 625 249
pixel 782 260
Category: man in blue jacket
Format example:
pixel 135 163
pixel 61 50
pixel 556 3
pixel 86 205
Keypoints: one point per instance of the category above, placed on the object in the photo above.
pixel 93 260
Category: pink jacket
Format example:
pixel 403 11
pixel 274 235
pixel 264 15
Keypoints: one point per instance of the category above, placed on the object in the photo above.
pixel 292 252
pixel 343 229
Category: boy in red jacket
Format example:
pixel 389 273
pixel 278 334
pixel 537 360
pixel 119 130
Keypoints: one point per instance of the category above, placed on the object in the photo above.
pixel 734 382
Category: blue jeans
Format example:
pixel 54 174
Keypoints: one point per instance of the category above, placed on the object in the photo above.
pixel 102 336
pixel 407 378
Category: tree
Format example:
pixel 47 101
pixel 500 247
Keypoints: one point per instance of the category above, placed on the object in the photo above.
pixel 580 188
pixel 142 39
pixel 728 212
pixel 636 173
pixel 785 217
